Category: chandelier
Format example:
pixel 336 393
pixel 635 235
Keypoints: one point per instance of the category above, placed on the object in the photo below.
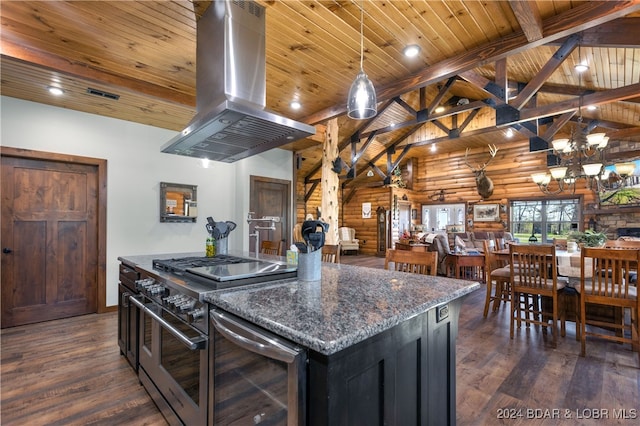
pixel 581 157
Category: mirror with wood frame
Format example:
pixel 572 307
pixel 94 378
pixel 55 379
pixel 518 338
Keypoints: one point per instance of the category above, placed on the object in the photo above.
pixel 178 202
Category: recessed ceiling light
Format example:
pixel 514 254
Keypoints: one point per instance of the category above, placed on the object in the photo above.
pixel 592 108
pixel 295 105
pixel 433 147
pixel 509 132
pixel 411 50
pixel 55 90
pixel 581 67
pixel 439 109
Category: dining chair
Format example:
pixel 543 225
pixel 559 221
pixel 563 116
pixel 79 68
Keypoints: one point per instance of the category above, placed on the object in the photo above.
pixel 560 243
pixel 501 243
pixel 271 247
pixel 331 253
pixel 534 274
pixel 626 244
pixel 610 289
pixel 622 244
pixel 417 262
pixel 495 272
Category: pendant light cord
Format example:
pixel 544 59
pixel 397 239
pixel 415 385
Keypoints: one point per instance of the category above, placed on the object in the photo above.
pixel 580 100
pixel 362 35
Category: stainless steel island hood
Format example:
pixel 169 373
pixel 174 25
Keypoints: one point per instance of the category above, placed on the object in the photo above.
pixel 230 122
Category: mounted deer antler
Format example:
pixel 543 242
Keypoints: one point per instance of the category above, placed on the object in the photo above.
pixel 484 185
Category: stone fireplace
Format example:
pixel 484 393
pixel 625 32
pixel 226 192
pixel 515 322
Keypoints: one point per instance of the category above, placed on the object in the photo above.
pixel 619 223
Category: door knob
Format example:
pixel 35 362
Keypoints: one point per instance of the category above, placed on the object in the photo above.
pixel 6 250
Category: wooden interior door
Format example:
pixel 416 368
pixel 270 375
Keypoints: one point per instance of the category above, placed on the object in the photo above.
pixel 49 240
pixel 271 197
pixel 404 210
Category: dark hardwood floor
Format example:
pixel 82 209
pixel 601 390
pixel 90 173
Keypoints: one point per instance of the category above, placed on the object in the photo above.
pixel 70 372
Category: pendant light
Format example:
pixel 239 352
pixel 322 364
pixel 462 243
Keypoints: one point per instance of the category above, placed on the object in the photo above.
pixel 362 101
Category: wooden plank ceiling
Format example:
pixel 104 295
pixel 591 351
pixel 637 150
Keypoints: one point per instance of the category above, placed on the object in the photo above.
pixel 144 52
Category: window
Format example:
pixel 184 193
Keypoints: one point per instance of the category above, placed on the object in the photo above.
pixel 544 219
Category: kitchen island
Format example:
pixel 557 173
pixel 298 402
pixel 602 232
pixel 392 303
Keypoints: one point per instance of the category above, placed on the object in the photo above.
pixel 379 345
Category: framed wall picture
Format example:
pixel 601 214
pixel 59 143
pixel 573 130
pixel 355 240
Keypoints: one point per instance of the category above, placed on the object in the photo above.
pixel 486 212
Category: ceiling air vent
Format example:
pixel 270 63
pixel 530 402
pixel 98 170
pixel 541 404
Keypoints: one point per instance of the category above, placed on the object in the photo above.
pixel 103 94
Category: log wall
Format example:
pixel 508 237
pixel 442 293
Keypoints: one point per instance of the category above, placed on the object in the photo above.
pixel 510 171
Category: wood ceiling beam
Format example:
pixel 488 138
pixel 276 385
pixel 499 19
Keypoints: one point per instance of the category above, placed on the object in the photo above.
pixel 624 133
pixel 620 33
pixel 581 18
pixel 441 93
pixel 490 88
pixel 502 79
pixel 495 91
pixel 528 17
pixel 624 155
pixel 597 98
pixel 557 125
pixel 394 144
pixel 347 141
pixel 432 117
pixel 549 68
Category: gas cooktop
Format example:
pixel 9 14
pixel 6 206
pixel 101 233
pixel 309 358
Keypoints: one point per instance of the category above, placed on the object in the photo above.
pixel 231 270
pixel 182 264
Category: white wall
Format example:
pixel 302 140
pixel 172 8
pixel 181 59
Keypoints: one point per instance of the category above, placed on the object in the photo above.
pixel 135 168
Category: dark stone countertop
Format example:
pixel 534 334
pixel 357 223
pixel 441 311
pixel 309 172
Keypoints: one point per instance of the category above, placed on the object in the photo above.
pixel 349 304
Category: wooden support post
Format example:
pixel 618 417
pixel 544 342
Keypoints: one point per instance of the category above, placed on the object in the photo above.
pixel 330 182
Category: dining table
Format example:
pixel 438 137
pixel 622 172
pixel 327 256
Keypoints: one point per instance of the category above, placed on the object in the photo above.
pixel 568 264
pixel 569 271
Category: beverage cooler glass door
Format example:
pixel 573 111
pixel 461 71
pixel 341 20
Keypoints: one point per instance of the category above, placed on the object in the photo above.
pixel 258 378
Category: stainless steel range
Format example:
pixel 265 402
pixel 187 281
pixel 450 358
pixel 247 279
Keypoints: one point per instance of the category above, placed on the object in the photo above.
pixel 175 336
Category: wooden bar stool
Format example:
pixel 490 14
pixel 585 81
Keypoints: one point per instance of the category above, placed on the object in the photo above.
pixel 495 273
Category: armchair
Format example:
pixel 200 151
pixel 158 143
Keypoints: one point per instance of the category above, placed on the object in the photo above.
pixel 348 240
pixel 441 245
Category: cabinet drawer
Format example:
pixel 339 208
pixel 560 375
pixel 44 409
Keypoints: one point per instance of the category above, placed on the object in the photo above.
pixel 128 275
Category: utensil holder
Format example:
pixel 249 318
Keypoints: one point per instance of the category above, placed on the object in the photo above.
pixel 222 246
pixel 310 266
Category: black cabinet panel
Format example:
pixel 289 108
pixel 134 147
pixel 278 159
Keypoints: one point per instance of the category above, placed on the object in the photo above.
pixel 407 408
pixel 403 376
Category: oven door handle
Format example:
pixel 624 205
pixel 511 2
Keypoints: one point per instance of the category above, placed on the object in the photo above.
pixel 193 344
pixel 252 339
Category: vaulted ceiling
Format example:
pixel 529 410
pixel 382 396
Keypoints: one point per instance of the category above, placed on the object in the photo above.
pixel 513 61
